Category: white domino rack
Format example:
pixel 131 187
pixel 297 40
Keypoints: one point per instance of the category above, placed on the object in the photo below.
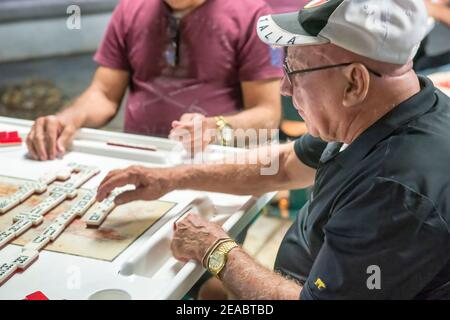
pixel 146 269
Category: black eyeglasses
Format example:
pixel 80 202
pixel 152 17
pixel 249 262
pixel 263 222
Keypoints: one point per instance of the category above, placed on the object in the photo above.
pixel 289 72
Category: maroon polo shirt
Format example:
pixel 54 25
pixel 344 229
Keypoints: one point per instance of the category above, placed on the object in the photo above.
pixel 218 49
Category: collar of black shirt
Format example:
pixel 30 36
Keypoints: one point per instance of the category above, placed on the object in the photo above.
pixel 407 111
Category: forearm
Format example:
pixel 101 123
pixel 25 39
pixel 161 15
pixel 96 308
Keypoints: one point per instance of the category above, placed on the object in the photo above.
pixel 248 280
pixel 252 172
pixel 92 109
pixel 258 117
pixel 223 178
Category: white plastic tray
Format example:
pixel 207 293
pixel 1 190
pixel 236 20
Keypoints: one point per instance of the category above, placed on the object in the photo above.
pixel 146 269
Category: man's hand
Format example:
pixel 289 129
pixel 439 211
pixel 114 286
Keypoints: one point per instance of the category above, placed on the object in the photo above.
pixel 151 184
pixel 49 137
pixel 193 236
pixel 192 131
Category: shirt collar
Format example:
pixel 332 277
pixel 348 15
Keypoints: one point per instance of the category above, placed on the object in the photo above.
pixel 405 112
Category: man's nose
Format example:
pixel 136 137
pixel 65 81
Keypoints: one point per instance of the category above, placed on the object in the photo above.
pixel 286 87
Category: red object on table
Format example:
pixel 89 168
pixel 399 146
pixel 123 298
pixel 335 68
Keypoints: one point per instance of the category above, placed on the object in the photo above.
pixel 445 84
pixel 10 138
pixel 38 295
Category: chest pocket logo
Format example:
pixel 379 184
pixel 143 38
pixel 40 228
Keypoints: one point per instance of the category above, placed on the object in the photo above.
pixel 320 284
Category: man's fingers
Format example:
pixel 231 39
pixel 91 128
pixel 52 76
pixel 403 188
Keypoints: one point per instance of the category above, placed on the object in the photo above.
pixel 116 181
pixel 176 124
pixel 64 139
pixel 174 247
pixel 51 135
pixel 187 117
pixel 110 175
pixel 133 195
pixel 39 139
pixel 30 145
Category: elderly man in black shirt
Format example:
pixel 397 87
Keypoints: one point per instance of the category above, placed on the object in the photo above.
pixel 377 225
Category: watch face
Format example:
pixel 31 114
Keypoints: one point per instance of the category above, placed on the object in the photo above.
pixel 216 261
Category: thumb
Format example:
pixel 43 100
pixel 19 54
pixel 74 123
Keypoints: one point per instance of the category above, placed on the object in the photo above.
pixel 176 123
pixel 132 195
pixel 64 139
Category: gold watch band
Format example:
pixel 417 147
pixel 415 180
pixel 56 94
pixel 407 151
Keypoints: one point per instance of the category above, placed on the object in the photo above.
pixel 224 248
pixel 222 124
pixel 227 246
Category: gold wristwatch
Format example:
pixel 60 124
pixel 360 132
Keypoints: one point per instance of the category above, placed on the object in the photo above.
pixel 218 257
pixel 225 131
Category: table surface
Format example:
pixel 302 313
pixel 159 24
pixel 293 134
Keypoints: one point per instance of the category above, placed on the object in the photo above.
pixel 146 269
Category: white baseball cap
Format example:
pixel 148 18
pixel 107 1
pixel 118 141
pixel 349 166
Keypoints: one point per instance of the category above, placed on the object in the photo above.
pixel 384 30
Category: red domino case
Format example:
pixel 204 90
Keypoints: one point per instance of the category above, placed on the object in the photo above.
pixel 10 138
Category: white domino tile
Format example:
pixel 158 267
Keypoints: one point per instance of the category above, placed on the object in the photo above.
pixel 20 227
pixel 74 166
pixel 56 230
pixel 25 192
pixel 36 219
pixel 63 174
pixel 7 204
pixel 66 217
pixel 40 209
pixel 25 259
pixel 85 175
pixel 53 231
pixel 39 187
pixel 6 270
pixel 100 212
pixel 71 194
pixel 85 203
pixel 37 243
pixel 95 219
pixel 6 237
pixel 47 178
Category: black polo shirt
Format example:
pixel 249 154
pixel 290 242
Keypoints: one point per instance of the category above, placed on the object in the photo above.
pixel 379 213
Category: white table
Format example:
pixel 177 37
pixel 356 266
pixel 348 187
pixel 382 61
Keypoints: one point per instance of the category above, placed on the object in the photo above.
pixel 146 269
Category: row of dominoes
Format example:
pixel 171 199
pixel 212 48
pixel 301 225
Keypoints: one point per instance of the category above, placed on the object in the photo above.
pixel 28 189
pixel 25 220
pixel 57 195
pixel 84 174
pixel 103 209
pixel 30 252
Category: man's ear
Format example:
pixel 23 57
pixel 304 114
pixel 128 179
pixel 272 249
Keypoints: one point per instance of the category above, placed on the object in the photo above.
pixel 358 82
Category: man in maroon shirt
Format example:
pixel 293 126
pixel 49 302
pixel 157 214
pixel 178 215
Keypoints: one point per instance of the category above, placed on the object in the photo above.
pixel 182 60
